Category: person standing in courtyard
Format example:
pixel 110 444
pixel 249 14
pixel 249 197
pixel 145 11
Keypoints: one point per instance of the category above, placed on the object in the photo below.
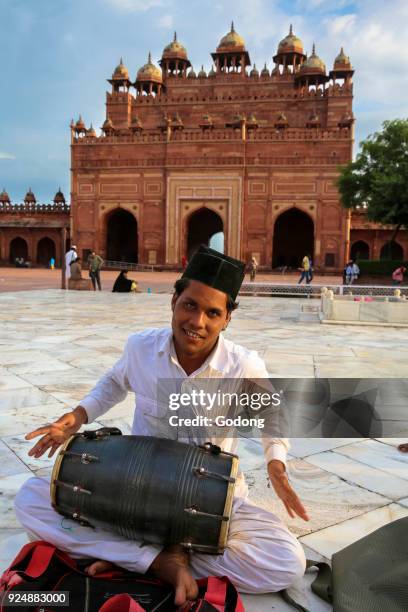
pixel 261 554
pixel 95 263
pixel 70 256
pixel 253 267
pixel 304 270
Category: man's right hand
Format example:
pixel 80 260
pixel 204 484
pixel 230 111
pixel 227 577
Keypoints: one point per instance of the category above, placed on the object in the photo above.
pixel 57 433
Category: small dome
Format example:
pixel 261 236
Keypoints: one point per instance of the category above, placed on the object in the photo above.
pixel 313 64
pixel 192 74
pixel 30 197
pixel 120 73
pixel 149 72
pixel 59 197
pixel 254 72
pixel 4 197
pixel 174 50
pixel 342 61
pixel 231 41
pixel 202 74
pixel 107 125
pixel 265 71
pixel 91 132
pixel 291 43
pixel 80 125
pixel 212 72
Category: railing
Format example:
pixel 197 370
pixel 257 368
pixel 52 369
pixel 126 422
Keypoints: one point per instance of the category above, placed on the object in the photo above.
pixel 125 265
pixel 312 290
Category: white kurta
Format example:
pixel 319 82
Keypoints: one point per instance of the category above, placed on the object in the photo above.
pixel 70 256
pixel 261 555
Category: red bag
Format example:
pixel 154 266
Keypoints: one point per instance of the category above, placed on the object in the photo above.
pixel 41 566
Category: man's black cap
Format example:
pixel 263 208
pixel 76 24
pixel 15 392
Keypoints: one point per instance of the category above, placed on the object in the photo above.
pixel 216 270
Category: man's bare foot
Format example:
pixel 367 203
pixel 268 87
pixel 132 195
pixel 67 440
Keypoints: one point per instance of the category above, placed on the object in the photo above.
pixel 98 567
pixel 403 448
pixel 172 566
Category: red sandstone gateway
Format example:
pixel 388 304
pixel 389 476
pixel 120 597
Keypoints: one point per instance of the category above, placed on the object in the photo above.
pixel 250 155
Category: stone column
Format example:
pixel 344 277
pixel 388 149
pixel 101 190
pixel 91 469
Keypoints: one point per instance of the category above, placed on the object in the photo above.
pixel 62 249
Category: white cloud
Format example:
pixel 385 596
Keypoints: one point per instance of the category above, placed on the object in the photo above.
pixel 341 24
pixel 4 155
pixel 135 6
pixel 166 21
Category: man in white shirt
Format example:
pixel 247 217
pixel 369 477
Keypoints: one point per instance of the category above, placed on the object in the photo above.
pixel 261 554
pixel 70 256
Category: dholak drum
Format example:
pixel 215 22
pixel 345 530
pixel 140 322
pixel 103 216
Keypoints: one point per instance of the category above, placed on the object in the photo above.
pixel 147 488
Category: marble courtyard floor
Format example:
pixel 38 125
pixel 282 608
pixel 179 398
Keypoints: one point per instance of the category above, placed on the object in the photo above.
pixel 54 345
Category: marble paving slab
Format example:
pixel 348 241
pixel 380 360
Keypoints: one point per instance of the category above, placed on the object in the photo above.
pixel 20 447
pixel 15 421
pixel 24 397
pixel 404 502
pixel 303 447
pixel 327 498
pixel 360 474
pixel 11 540
pixel 9 487
pixel 378 455
pixel 9 463
pixel 332 539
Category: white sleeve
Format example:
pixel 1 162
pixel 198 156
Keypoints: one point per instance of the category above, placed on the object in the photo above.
pixel 111 389
pixel 274 448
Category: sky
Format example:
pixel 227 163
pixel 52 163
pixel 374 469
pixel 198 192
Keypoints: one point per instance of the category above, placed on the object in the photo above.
pixel 55 57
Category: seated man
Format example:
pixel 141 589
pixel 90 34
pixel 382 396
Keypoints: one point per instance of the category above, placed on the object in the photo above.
pixel 261 555
pixel 75 280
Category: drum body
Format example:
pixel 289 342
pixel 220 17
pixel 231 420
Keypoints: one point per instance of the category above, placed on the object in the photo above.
pixel 147 488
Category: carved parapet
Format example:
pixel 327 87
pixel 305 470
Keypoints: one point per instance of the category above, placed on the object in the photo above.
pixel 31 208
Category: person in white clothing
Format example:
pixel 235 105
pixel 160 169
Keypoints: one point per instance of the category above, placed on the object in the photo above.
pixel 261 554
pixel 70 256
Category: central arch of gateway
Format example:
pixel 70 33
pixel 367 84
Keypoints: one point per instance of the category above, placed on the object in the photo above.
pixel 216 199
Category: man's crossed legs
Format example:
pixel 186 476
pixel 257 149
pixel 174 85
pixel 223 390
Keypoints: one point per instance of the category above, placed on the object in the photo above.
pixel 262 556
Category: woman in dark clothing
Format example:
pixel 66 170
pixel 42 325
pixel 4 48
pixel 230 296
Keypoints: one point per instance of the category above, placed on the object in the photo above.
pixel 123 284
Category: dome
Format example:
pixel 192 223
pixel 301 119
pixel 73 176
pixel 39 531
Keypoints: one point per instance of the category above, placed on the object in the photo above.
pixel 342 61
pixel 120 73
pixel 192 74
pixel 30 197
pixel 149 72
pixel 290 44
pixel 107 125
pixel 174 50
pixel 254 72
pixel 202 74
pixel 212 72
pixel 80 125
pixel 313 64
pixel 59 197
pixel 91 132
pixel 4 196
pixel 265 71
pixel 231 41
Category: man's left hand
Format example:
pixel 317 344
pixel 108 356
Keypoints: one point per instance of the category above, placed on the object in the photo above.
pixel 280 482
